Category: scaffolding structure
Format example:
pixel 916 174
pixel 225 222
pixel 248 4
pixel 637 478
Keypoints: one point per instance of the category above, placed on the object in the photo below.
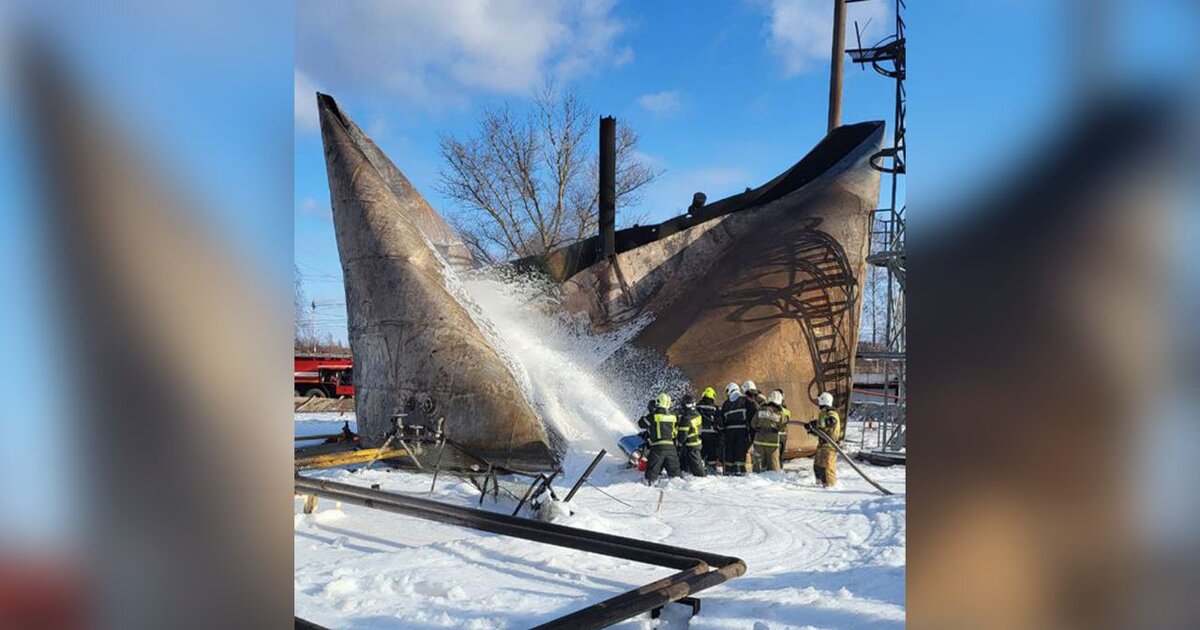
pixel 887 57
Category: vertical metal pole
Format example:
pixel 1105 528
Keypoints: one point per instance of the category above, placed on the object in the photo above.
pixel 483 491
pixel 836 64
pixel 608 185
pixel 862 434
pixel 438 466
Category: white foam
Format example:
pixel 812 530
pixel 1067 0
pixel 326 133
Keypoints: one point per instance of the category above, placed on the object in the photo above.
pixel 558 360
pixel 563 370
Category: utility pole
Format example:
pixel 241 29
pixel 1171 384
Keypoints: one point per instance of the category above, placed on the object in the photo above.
pixel 836 63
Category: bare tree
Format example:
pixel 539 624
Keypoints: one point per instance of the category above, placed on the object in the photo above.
pixel 320 344
pixel 306 337
pixel 305 329
pixel 526 182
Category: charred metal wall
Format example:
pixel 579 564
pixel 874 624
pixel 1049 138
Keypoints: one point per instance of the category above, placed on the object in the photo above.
pixel 768 291
pixel 416 349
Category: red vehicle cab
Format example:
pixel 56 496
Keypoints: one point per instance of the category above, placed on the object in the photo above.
pixel 324 375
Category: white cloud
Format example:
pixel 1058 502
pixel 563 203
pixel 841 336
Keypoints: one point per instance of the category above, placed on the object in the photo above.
pixel 800 32
pixel 305 103
pixel 660 102
pixel 652 161
pixel 429 53
pixel 314 208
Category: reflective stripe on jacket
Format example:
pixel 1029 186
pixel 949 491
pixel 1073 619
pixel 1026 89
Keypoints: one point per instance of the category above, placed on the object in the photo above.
pixel 829 422
pixel 734 413
pixel 767 423
pixel 660 427
pixel 689 429
pixel 708 413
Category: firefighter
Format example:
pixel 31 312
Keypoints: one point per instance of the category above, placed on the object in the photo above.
pixel 658 429
pixel 787 418
pixel 688 427
pixel 750 390
pixel 735 424
pixel 767 424
pixel 825 461
pixel 754 399
pixel 710 436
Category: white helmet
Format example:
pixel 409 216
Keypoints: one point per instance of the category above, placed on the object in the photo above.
pixel 775 398
pixel 825 400
pixel 748 386
pixel 731 389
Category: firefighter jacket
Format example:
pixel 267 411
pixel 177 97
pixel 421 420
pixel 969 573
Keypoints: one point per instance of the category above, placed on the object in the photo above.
pixel 658 427
pixel 708 415
pixel 768 422
pixel 689 426
pixel 829 422
pixel 736 414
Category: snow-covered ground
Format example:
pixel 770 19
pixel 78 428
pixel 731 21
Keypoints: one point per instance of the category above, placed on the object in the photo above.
pixel 819 558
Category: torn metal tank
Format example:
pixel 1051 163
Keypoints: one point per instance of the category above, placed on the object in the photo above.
pixel 763 285
pixel 417 350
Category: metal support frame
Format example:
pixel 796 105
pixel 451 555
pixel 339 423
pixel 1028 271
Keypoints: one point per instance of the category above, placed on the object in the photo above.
pixel 587 473
pixel 437 467
pixel 547 487
pixel 489 474
pixel 528 491
pixel 540 485
pixel 888 236
pixel 696 570
pixel 888 58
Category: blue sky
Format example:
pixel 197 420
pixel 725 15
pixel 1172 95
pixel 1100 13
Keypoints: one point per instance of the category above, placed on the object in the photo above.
pixel 723 98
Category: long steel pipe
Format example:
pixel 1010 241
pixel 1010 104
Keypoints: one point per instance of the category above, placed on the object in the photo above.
pixel 697 570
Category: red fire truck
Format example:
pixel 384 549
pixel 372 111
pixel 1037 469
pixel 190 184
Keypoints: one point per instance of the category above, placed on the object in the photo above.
pixel 324 375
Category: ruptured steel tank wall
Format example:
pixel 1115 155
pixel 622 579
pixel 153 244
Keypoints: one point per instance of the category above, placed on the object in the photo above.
pixel 435 229
pixel 416 348
pixel 770 293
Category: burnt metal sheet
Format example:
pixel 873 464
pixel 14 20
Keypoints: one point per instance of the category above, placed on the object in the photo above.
pixel 417 351
pixel 765 285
